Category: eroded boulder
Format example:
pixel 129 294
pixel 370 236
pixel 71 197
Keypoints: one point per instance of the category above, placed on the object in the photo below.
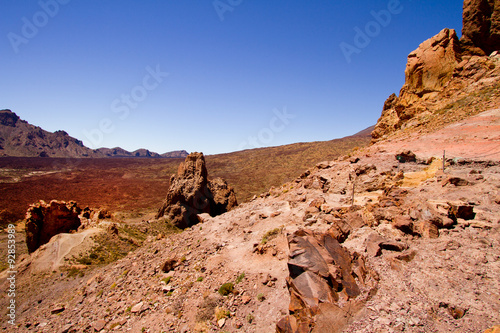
pixel 45 220
pixel 191 193
pixel 320 270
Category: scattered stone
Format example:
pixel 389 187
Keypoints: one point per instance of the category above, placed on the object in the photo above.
pixel 456 181
pixel 461 211
pixel 454 311
pixel 98 325
pixel 316 203
pixel 57 309
pixel 320 269
pixel 376 243
pixel 428 230
pixel 138 308
pixel 169 265
pixel 403 223
pixel 221 322
pixel 406 157
pixel 365 169
pixel 406 255
pixel 113 229
pixel 66 328
pixel 268 280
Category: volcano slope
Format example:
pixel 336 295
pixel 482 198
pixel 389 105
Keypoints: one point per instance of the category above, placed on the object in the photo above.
pixel 441 276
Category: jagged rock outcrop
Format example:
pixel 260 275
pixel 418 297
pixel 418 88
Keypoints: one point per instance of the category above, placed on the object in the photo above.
pixel 429 69
pixel 431 65
pixel 45 220
pixel 481 27
pixel 328 285
pixel 191 194
pixel 444 70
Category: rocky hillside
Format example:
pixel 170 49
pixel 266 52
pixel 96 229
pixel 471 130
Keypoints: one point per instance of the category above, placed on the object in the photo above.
pixel 19 138
pixel 394 237
pixel 417 251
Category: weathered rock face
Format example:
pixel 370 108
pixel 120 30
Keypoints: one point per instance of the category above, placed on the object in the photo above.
pixel 223 196
pixel 191 194
pixel 429 69
pixel 43 221
pixel 481 26
pixel 431 66
pixel 321 273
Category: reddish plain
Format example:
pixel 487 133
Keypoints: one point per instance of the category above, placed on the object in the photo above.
pixel 132 187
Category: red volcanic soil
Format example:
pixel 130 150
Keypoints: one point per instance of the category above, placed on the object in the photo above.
pixel 475 138
pixel 122 184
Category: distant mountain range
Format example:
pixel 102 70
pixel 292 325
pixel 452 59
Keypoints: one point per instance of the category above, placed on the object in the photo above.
pixel 20 138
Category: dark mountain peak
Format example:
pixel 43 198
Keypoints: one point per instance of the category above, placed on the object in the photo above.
pixel 61 133
pixel 8 118
pixel 144 153
pixel 20 138
pixel 176 154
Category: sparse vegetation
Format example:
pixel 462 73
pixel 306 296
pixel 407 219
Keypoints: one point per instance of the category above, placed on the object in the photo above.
pixel 240 278
pixel 226 289
pixel 167 279
pixel 221 313
pixel 107 250
pixel 75 272
pixel 250 318
pixel 261 297
pixel 199 279
pixel 270 235
pixel 206 309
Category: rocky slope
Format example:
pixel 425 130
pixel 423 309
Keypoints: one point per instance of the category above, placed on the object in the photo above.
pixel 429 268
pixel 391 238
pixel 19 138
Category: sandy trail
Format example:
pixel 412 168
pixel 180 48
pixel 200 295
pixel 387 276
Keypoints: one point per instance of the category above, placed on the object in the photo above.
pixel 51 256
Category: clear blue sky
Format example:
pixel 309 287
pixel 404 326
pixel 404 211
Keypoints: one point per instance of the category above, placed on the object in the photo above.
pixel 206 75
